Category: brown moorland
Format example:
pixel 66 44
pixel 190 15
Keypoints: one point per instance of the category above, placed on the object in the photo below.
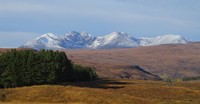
pixel 167 61
pixel 106 91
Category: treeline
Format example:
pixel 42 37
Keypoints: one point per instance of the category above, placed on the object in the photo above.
pixel 28 67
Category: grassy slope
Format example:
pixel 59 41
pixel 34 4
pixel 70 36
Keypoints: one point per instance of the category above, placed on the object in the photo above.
pixel 107 92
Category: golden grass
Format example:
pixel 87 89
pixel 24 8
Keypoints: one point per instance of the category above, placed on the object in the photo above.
pixel 107 91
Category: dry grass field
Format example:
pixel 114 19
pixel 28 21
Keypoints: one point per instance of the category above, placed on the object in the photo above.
pixel 106 91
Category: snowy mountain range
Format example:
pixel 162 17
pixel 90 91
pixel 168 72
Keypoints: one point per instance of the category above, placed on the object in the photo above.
pixel 76 40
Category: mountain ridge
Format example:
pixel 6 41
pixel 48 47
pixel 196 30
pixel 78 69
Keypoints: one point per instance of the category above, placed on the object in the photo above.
pixel 80 40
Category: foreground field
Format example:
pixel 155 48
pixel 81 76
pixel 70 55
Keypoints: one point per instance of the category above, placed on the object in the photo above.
pixel 106 91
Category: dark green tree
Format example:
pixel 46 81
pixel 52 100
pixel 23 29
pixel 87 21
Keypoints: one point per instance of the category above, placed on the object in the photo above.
pixel 27 67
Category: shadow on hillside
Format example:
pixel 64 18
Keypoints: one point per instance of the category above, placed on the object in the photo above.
pixel 103 83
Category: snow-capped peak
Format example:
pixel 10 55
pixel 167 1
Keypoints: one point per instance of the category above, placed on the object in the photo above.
pixel 47 38
pixel 117 34
pixel 49 35
pixel 74 40
pixel 45 41
pixel 164 39
pixel 115 40
pixel 77 40
pixel 170 37
pixel 75 34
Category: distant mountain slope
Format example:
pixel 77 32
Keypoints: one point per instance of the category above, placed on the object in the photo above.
pixel 76 40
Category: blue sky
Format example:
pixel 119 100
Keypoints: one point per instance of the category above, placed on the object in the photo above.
pixel 23 20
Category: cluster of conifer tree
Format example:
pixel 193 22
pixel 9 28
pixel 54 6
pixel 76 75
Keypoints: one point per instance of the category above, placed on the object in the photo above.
pixel 28 67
